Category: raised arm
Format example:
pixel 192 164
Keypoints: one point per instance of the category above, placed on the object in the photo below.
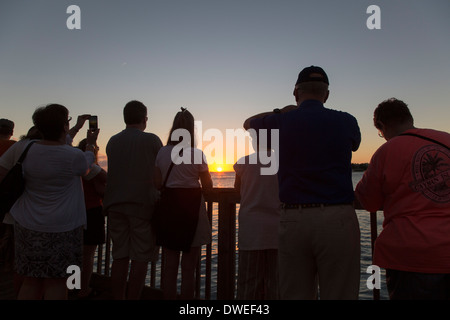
pixel 263 114
pixel 80 123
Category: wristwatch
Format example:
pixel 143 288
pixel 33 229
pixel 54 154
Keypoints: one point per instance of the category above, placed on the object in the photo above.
pixel 276 110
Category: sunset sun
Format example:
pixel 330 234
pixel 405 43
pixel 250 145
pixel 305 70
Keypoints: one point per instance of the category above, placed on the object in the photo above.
pixel 219 168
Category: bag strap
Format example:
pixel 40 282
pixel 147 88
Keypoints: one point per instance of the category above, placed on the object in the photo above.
pixel 167 175
pixel 425 138
pixel 170 169
pixel 24 153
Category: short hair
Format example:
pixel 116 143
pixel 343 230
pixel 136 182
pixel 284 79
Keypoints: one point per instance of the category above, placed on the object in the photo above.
pixel 51 121
pixel 6 127
pixel 134 112
pixel 392 112
pixel 315 88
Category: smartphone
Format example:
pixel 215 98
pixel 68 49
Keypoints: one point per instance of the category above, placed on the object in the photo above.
pixel 93 124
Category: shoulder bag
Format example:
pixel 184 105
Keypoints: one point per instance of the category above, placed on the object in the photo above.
pixel 12 185
pixel 176 216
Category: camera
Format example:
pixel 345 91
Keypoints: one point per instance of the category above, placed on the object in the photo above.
pixel 93 123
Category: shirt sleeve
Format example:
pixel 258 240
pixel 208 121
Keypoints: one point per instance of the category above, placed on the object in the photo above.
pixel 356 135
pixel 10 157
pixel 158 159
pixel 267 122
pixel 83 162
pixel 95 170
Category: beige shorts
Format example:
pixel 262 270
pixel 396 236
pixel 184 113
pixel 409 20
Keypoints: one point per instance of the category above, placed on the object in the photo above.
pixel 132 237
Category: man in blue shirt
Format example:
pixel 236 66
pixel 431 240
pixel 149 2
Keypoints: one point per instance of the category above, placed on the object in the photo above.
pixel 319 232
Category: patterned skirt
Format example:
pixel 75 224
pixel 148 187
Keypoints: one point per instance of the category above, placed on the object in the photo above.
pixel 46 254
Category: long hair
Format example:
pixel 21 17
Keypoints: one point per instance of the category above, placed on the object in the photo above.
pixel 183 120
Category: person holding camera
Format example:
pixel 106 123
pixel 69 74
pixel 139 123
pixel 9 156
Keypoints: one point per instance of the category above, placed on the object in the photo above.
pixel 50 215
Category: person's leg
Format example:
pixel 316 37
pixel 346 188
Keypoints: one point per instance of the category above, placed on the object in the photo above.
pixel 251 275
pixel 119 275
pixel 142 250
pixel 297 267
pixel 55 289
pixel 338 252
pixel 136 281
pixel 119 228
pixel 86 270
pixel 271 285
pixel 189 262
pixel 31 289
pixel 246 278
pixel 170 274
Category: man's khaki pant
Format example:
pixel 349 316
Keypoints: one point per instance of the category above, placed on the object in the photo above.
pixel 319 248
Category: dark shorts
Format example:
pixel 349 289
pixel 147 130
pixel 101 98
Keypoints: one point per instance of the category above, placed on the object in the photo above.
pixel 94 234
pixel 46 254
pixel 403 285
pixel 6 247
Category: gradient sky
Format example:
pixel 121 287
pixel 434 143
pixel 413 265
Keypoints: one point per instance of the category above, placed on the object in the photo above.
pixel 223 60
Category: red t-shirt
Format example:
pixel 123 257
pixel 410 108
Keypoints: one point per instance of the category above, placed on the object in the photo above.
pixel 5 144
pixel 91 198
pixel 409 179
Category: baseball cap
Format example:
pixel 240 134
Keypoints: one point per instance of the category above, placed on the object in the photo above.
pixel 306 75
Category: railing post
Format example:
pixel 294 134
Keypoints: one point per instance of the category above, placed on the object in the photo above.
pixel 373 237
pixel 226 269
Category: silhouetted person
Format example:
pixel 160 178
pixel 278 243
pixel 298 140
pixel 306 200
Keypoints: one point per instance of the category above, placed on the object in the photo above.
pixel 50 215
pixel 6 132
pixel 409 179
pixel 319 231
pixel 188 227
pixel 129 201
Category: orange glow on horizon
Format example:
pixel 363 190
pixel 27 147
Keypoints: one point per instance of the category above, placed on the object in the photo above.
pixel 217 167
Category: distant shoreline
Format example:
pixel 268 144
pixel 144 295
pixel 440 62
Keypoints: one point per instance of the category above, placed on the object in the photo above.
pixel 359 167
pixel 356 167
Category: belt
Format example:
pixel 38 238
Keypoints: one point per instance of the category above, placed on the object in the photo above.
pixel 310 205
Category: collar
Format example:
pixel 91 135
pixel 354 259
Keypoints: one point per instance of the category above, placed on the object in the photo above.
pixel 311 104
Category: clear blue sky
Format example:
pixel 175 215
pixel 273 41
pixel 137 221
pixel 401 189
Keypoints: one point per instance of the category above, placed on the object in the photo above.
pixel 223 60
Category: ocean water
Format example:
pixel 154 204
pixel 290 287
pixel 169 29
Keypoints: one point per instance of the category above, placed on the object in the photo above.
pixel 226 180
